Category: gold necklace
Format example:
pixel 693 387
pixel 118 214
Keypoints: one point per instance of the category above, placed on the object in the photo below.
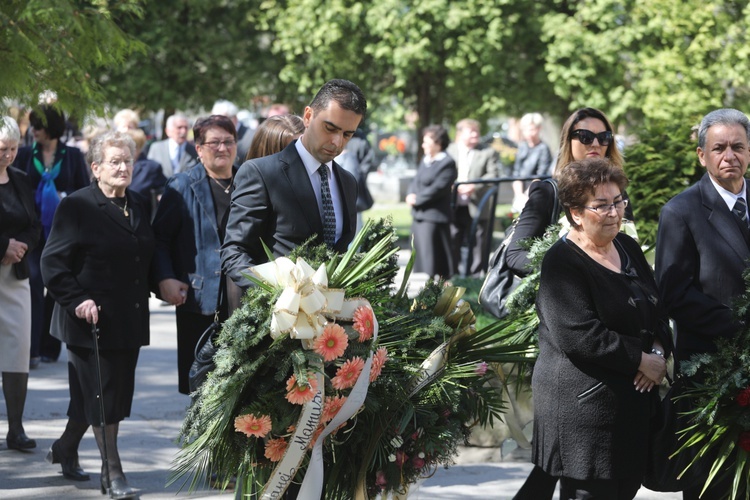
pixel 124 209
pixel 225 188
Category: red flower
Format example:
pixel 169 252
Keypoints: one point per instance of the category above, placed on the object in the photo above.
pixel 275 449
pixel 347 375
pixel 744 440
pixel 253 426
pixel 332 343
pixel 378 360
pixel 743 398
pixel 364 323
pixel 417 462
pixel 301 394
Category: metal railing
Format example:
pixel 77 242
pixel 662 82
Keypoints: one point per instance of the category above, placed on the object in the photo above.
pixel 489 198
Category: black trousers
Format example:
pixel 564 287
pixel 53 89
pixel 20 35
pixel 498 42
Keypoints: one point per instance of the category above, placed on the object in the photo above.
pixel 599 489
pixel 190 327
pixel 460 229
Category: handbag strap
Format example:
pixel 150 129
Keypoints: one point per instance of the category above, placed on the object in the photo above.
pixel 209 331
pixel 556 206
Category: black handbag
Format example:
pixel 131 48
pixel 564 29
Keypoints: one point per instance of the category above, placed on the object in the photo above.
pixel 205 348
pixel 500 280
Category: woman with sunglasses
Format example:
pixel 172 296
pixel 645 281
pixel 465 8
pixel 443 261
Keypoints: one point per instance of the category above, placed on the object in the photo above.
pixel 587 133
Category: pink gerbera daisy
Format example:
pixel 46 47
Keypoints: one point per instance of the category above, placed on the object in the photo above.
pixel 332 407
pixel 301 394
pixel 378 360
pixel 332 343
pixel 347 375
pixel 250 425
pixel 364 323
pixel 275 449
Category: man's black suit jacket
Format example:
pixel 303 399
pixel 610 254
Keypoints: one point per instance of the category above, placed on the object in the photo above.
pixel 701 252
pixel 273 200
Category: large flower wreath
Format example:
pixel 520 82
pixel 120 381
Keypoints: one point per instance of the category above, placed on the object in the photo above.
pixel 328 378
pixel 720 422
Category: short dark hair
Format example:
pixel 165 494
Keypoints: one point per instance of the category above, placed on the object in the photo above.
pixel 579 180
pixel 345 93
pixel 49 119
pixel 438 134
pixel 203 124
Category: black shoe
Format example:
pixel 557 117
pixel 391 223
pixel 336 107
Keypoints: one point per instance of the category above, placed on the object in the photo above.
pixel 118 489
pixel 34 362
pixel 48 359
pixel 70 467
pixel 19 441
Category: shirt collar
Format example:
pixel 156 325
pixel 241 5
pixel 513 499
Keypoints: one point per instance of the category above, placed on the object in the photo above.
pixel 311 164
pixel 729 197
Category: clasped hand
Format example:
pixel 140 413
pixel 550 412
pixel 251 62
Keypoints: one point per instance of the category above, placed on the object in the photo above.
pixel 651 372
pixel 173 291
pixel 15 252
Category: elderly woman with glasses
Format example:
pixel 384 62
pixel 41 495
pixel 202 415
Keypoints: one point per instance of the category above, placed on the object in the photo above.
pixel 603 338
pixel 189 231
pixel 587 133
pixel 96 265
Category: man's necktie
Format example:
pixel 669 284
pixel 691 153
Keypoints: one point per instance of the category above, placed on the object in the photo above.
pixel 740 210
pixel 329 216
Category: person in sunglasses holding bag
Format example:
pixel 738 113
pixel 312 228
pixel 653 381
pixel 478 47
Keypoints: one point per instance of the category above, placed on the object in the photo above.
pixel 587 133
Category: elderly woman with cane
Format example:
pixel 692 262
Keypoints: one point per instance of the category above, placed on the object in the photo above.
pixel 96 266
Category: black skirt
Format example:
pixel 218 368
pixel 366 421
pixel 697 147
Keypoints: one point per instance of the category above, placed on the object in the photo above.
pixel 118 384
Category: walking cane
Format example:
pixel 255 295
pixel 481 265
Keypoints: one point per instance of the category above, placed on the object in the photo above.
pixel 100 397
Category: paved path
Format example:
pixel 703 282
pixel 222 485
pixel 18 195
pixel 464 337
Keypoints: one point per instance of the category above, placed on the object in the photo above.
pixel 147 439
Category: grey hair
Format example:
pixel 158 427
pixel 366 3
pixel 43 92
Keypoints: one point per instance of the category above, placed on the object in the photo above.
pixel 108 140
pixel 725 116
pixel 535 119
pixel 176 116
pixel 9 130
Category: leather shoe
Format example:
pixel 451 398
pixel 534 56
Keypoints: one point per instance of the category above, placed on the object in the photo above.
pixel 119 489
pixel 70 467
pixel 19 441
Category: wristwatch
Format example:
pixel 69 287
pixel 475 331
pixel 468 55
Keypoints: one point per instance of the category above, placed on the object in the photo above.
pixel 656 351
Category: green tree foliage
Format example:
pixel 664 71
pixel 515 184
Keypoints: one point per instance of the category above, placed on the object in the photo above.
pixel 667 60
pixel 57 44
pixel 660 166
pixel 447 59
pixel 198 52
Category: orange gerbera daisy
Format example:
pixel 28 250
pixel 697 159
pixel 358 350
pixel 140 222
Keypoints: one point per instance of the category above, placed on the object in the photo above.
pixel 332 343
pixel 301 394
pixel 275 449
pixel 332 407
pixel 364 323
pixel 250 425
pixel 347 375
pixel 378 360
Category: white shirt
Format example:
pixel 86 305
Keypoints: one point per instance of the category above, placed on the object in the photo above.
pixel 312 165
pixel 175 153
pixel 729 197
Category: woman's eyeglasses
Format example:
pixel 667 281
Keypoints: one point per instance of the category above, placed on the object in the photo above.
pixel 606 208
pixel 215 145
pixel 587 137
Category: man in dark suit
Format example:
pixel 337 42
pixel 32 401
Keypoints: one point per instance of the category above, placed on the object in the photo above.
pixel 474 160
pixel 702 248
pixel 285 198
pixel 175 154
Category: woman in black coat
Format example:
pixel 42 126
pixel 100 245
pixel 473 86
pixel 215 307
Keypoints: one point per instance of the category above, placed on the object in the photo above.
pixel 96 266
pixel 19 234
pixel 602 343
pixel 430 201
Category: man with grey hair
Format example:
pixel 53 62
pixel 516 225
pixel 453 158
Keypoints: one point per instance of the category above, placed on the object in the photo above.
pixel 175 153
pixel 702 249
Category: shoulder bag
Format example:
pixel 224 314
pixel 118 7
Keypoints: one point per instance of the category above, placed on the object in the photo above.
pixel 500 280
pixel 205 348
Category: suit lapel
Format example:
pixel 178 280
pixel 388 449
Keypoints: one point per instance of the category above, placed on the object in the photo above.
pixel 349 197
pixel 299 184
pixel 722 219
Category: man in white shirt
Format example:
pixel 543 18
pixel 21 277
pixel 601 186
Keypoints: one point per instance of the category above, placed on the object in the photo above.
pixel 175 154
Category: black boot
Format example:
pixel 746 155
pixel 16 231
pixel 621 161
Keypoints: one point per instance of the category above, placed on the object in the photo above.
pixel 64 451
pixel 14 390
pixel 113 480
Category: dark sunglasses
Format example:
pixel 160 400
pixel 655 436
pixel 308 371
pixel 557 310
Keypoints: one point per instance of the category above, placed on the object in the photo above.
pixel 587 137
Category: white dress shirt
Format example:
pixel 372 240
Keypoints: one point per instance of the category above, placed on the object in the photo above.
pixel 312 165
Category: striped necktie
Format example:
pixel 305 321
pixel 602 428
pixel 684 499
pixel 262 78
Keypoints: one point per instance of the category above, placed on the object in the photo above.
pixel 740 210
pixel 329 216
